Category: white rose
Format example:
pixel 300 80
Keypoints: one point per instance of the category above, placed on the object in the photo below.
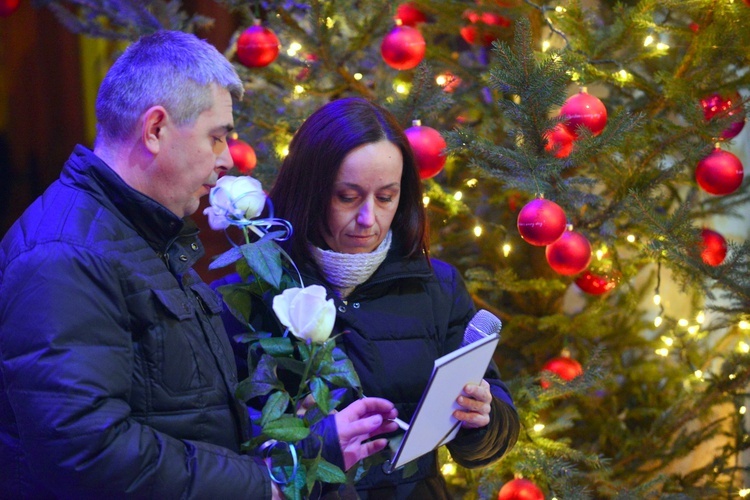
pixel 306 312
pixel 234 198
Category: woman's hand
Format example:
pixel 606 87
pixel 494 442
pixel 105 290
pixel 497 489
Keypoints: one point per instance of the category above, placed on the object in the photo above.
pixel 476 403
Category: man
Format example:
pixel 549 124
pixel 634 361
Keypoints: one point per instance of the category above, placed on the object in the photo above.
pixel 116 377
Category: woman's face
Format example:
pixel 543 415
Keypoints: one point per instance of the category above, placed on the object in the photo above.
pixel 365 198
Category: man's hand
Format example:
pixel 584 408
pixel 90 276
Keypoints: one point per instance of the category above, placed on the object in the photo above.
pixel 360 421
pixel 476 403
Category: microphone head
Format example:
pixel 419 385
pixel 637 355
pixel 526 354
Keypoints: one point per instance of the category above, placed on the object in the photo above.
pixel 482 324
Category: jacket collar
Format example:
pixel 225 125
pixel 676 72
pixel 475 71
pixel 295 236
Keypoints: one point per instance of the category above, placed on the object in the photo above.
pixel 152 220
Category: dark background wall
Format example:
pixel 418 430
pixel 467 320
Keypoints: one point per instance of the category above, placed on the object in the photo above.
pixel 42 107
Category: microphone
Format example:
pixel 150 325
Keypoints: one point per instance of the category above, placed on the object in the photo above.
pixel 482 324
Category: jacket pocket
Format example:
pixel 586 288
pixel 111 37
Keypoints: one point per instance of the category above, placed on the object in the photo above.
pixel 184 363
pixel 208 298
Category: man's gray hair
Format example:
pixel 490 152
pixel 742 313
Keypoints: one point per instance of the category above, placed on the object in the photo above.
pixel 168 68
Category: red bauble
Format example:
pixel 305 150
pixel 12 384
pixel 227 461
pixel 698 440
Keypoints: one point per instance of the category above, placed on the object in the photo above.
pixel 583 109
pixel 403 47
pixel 409 14
pixel 725 105
pixel 597 284
pixel 720 172
pixel 559 141
pixel 570 254
pixel 243 155
pixel 448 81
pixel 427 145
pixel 8 7
pixel 257 46
pixel 484 27
pixel 541 222
pixel 520 489
pixel 564 367
pixel 714 248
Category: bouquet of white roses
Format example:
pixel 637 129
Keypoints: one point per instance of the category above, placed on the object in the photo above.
pixel 270 279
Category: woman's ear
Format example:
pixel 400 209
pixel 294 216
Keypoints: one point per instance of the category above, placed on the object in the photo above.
pixel 152 132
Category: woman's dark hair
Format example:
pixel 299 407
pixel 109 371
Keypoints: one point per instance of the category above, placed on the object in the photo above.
pixel 303 189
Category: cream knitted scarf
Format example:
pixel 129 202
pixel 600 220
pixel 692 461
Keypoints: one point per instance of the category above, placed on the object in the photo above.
pixel 345 271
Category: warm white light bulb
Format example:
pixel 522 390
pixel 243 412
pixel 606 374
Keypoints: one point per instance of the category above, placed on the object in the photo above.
pixel 657 299
pixel 477 231
pixel 448 469
pixel 506 249
pixel 458 195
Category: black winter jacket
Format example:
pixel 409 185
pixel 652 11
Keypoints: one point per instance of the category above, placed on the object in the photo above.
pixel 396 324
pixel 116 377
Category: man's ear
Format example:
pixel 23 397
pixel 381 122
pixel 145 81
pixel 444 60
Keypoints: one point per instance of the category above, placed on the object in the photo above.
pixel 152 132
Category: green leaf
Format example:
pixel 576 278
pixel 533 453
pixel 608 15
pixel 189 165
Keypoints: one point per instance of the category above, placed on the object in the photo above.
pixel 229 257
pixel 329 473
pixel 340 373
pixel 287 428
pixel 264 258
pixel 275 407
pixel 278 346
pixel 320 393
pixel 304 350
pixel 238 301
pixel 311 471
pixel 292 365
pixel 261 381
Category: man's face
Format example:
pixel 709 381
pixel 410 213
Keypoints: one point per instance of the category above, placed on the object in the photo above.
pixel 193 156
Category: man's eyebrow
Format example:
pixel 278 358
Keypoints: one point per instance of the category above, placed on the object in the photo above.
pixel 222 129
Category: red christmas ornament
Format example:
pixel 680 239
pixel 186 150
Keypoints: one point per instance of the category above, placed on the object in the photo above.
pixel 448 81
pixel 427 145
pixel 570 254
pixel 403 48
pixel 520 489
pixel 310 59
pixel 409 14
pixel 8 7
pixel 257 47
pixel 714 247
pixel 541 222
pixel 747 2
pixel 564 367
pixel 725 105
pixel 483 28
pixel 583 109
pixel 559 141
pixel 720 172
pixel 243 155
pixel 597 283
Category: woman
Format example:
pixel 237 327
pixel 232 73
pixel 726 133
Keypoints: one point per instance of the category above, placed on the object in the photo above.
pixel 351 189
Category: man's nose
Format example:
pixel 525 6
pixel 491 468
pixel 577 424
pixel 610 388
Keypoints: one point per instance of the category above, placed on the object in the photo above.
pixel 224 161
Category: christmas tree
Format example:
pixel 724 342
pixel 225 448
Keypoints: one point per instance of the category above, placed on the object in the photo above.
pixel 582 164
